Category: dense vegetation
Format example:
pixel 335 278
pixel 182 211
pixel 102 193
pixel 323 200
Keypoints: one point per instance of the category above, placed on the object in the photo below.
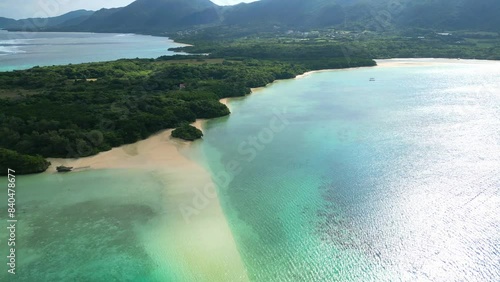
pixel 187 132
pixel 21 164
pixel 79 110
pixel 346 46
pixel 311 56
pixel 368 14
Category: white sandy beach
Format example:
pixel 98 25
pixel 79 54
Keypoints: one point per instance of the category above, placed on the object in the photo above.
pixel 190 235
pixel 427 62
pixel 306 74
pixel 380 63
pixel 407 62
pixel 226 101
pixel 207 234
pixel 162 149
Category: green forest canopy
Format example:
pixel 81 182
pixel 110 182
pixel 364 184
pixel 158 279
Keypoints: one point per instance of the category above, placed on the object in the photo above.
pixel 79 110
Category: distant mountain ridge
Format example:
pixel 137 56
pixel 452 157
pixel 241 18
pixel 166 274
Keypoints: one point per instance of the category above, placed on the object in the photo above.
pixel 153 15
pixel 370 14
pixel 4 22
pixel 34 24
pixel 156 16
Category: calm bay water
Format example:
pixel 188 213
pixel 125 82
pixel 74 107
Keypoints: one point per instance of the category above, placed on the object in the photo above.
pixel 345 180
pixel 397 179
pixel 22 50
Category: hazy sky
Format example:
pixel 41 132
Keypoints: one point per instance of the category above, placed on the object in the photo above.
pixel 42 8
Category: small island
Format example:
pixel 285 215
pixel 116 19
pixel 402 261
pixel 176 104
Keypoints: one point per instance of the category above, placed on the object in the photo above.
pixel 187 132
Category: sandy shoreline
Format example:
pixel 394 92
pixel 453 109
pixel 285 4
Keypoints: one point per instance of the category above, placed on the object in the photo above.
pixel 143 154
pixel 162 149
pixel 380 63
pixel 198 236
pixel 166 156
pixel 158 149
pixel 404 62
pixel 427 62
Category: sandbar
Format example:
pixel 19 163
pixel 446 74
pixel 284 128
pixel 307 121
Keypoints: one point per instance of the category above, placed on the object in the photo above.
pixel 193 233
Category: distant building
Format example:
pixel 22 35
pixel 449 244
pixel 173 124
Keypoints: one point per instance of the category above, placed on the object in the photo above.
pixel 182 86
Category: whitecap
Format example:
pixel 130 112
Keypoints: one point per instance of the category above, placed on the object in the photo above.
pixel 14 42
pixel 5 50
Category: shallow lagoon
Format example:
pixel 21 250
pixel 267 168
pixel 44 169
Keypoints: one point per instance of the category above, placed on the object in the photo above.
pixel 385 180
pixel 396 178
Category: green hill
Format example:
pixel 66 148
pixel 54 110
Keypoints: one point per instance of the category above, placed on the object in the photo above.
pixel 39 24
pixel 369 14
pixel 152 16
pixel 158 16
pixel 4 22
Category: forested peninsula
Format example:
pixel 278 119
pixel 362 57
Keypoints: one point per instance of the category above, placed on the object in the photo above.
pixel 80 110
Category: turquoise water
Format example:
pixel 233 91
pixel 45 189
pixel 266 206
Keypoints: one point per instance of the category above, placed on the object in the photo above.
pixel 106 225
pixel 22 50
pixel 396 179
pixel 330 177
pixel 83 226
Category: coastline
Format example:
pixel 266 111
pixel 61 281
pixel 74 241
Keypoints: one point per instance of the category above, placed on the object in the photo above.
pixel 137 155
pixel 189 235
pixel 167 157
pixel 14 64
pixel 401 62
pixel 227 101
pixel 142 153
pixel 208 234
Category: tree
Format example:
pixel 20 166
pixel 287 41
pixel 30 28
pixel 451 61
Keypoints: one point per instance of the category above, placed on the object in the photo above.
pixel 21 164
pixel 187 132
